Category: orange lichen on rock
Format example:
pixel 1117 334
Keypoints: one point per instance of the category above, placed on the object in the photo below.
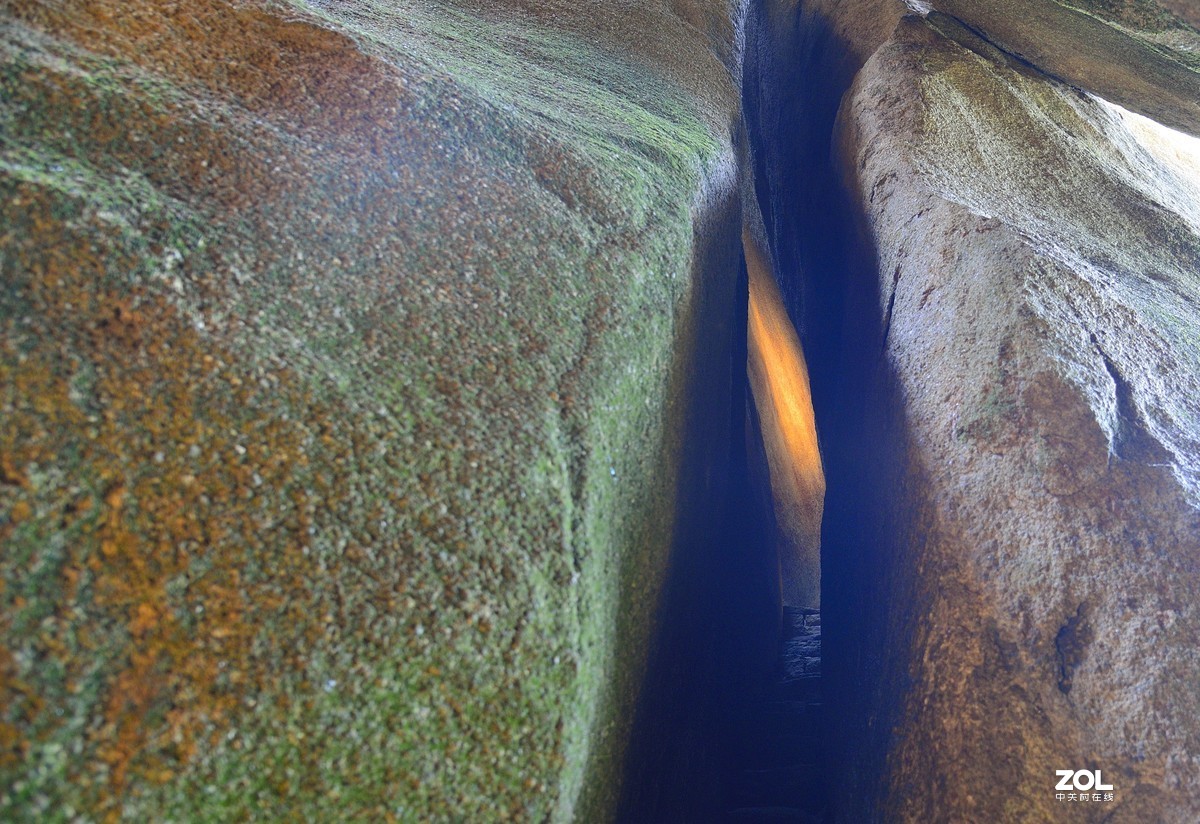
pixel 239 50
pixel 160 483
pixel 284 291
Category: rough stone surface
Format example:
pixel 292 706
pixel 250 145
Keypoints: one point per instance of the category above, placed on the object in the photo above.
pixel 344 356
pixel 1141 54
pixel 1022 423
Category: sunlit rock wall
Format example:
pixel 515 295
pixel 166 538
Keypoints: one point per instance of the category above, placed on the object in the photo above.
pixel 1141 54
pixel 782 396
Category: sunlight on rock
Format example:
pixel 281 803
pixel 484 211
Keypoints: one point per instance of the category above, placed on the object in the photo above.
pixel 1178 150
pixel 779 379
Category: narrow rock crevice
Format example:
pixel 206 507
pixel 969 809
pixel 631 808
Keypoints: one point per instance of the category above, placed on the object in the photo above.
pixel 798 70
pixel 833 724
pixel 712 630
pixel 731 723
pixel 891 307
pixel 1132 440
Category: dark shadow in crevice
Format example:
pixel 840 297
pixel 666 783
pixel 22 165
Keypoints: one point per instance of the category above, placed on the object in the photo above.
pixel 718 623
pixel 715 629
pixel 795 80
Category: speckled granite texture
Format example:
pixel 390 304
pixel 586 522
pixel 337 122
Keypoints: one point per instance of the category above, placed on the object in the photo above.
pixel 343 349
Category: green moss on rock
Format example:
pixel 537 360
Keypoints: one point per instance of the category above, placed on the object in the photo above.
pixel 341 348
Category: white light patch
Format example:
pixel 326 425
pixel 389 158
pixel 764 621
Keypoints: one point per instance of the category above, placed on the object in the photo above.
pixel 1177 150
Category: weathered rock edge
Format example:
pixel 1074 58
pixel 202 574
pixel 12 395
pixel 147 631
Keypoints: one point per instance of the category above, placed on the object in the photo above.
pixel 1140 55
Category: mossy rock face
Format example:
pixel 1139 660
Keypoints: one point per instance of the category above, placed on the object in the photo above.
pixel 342 348
pixel 1033 435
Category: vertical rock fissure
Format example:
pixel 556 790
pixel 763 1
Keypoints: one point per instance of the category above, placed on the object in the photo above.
pixel 732 722
pixel 748 738
pixel 799 65
pixel 900 596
